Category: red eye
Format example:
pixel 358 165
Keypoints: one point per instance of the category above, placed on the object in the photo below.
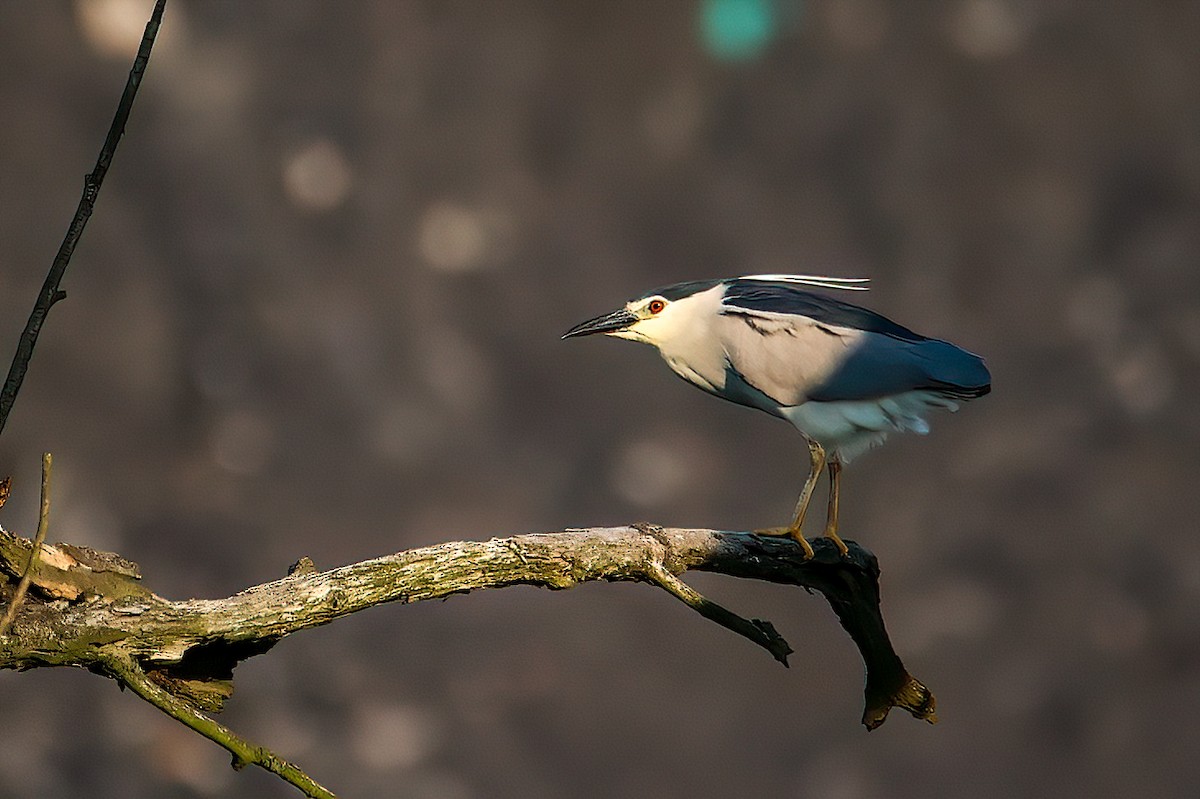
pixel 656 306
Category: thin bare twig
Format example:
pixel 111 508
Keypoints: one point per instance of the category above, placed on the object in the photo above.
pixel 131 675
pixel 51 293
pixel 38 540
pixel 759 631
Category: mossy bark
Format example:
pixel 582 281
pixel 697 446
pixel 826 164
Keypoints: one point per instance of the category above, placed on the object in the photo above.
pixel 87 607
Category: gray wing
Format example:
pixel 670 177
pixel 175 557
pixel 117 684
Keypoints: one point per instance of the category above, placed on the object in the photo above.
pixel 796 346
pixel 786 358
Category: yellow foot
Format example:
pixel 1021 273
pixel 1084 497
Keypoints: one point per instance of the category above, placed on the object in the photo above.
pixel 838 542
pixel 794 533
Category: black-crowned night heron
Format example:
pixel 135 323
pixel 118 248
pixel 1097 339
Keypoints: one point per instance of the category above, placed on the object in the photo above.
pixel 844 376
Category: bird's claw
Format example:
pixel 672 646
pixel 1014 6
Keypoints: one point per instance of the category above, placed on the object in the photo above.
pixel 798 537
pixel 792 533
pixel 843 550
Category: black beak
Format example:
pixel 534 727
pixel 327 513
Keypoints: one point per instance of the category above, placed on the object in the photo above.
pixel 610 322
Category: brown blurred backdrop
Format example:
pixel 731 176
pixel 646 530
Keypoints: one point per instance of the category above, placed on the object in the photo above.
pixel 317 313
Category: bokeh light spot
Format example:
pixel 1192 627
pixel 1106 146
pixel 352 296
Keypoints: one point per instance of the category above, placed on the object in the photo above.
pixel 986 29
pixel 736 30
pixel 452 238
pixel 114 28
pixel 317 177
pixel 394 736
pixel 650 473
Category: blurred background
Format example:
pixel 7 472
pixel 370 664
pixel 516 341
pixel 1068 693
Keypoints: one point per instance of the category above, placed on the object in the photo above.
pixel 317 312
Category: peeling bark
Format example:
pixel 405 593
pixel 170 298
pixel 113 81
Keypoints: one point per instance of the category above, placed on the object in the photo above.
pixel 87 607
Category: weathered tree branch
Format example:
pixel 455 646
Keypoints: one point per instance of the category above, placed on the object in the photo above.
pixel 93 611
pixel 89 609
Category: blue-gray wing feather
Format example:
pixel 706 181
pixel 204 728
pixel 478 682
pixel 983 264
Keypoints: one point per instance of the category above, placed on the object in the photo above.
pixel 881 366
pixel 877 358
pixel 785 298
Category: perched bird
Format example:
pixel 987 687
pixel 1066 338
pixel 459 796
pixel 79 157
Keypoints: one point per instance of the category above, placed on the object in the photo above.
pixel 844 376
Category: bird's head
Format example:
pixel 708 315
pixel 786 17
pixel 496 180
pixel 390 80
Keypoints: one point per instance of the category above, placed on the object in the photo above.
pixel 653 318
pixel 683 311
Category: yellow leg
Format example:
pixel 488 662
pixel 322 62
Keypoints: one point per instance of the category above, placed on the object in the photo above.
pixel 817 454
pixel 818 463
pixel 831 520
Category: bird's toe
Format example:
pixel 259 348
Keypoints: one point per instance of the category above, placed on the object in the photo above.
pixel 790 532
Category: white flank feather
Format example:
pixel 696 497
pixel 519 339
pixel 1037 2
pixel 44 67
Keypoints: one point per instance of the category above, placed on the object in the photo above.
pixel 846 283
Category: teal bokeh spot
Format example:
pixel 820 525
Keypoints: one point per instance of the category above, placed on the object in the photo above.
pixel 736 30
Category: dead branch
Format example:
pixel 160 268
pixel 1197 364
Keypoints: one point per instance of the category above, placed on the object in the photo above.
pixel 90 609
pixel 51 293
pixel 35 549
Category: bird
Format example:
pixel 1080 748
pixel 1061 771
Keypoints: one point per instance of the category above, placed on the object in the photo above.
pixel 845 376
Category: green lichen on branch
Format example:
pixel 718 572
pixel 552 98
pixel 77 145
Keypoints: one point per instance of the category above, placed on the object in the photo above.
pixel 196 640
